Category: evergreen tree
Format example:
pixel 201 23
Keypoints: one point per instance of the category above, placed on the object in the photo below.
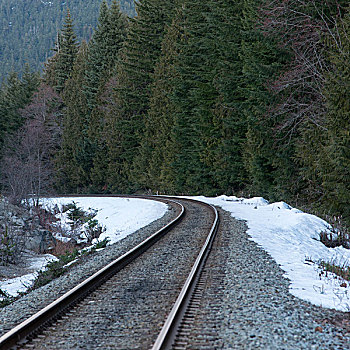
pixel 335 157
pixel 15 95
pixel 67 51
pixel 104 50
pixel 74 156
pixel 134 78
pixel 194 97
pixel 153 163
pixel 262 62
pixel 49 74
pixel 229 124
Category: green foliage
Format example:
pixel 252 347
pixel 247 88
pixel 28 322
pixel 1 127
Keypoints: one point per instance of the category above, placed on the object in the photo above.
pixel 72 174
pixel 7 246
pixel 262 61
pixel 101 244
pixel 83 222
pixel 28 29
pixel 206 97
pixel 15 94
pixel 194 97
pixel 104 48
pixel 125 122
pixel 335 163
pixel 153 163
pixel 66 53
pixel 5 299
pixel 54 269
pixel 229 123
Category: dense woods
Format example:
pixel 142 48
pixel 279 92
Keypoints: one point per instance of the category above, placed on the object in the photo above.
pixel 28 29
pixel 194 97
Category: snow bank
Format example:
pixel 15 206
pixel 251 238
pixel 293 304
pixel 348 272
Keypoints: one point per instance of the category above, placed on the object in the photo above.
pixel 291 237
pixel 119 216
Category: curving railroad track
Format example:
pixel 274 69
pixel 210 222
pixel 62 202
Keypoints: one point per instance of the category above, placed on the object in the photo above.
pixel 142 300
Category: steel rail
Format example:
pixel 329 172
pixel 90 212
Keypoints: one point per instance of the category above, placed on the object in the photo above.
pixel 17 335
pixel 168 333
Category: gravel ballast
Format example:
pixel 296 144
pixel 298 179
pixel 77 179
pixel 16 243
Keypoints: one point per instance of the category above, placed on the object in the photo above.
pixel 29 304
pixel 246 303
pixel 128 311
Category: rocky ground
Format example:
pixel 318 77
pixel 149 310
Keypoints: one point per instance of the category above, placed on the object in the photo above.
pixel 23 239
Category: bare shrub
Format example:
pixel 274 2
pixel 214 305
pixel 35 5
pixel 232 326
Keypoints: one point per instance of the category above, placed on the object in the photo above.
pixel 27 166
pixel 337 234
pixel 61 248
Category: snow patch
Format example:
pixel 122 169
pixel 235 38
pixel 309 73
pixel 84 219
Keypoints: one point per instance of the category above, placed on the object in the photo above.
pixel 291 237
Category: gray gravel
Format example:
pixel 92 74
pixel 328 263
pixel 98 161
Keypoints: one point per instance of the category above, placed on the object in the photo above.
pixel 23 308
pixel 129 310
pixel 246 303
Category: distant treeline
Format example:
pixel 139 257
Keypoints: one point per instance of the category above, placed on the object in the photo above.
pixel 196 97
pixel 28 29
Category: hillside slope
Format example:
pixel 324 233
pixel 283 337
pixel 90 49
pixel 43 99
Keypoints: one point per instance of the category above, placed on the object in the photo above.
pixel 28 28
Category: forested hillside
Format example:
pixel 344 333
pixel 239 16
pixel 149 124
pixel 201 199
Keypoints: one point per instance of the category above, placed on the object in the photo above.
pixel 28 28
pixel 190 97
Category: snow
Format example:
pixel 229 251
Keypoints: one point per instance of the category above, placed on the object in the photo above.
pixel 120 217
pixel 16 285
pixel 291 237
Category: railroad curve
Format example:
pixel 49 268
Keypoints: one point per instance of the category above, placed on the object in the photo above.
pixel 127 311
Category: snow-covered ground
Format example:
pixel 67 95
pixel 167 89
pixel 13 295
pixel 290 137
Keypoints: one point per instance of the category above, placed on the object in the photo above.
pixel 119 216
pixel 291 237
pixel 16 285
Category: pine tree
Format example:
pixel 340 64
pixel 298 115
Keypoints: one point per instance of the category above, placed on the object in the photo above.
pixel 134 77
pixel 153 163
pixel 73 165
pixel 16 94
pixel 194 96
pixel 262 62
pixel 49 73
pixel 104 50
pixel 229 124
pixel 335 157
pixel 67 51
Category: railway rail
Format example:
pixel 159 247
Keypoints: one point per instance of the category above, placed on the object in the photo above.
pixel 61 309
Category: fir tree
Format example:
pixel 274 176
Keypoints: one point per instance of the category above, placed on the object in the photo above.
pixel 153 163
pixel 73 158
pixel 67 51
pixel 104 50
pixel 262 62
pixel 134 78
pixel 194 96
pixel 15 95
pixel 229 125
pixel 335 157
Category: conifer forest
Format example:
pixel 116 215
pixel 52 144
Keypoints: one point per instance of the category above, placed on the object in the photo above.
pixel 207 97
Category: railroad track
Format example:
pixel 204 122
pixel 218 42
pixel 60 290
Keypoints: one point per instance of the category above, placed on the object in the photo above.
pixel 125 304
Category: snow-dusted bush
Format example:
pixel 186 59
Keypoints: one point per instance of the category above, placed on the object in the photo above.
pixel 79 224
